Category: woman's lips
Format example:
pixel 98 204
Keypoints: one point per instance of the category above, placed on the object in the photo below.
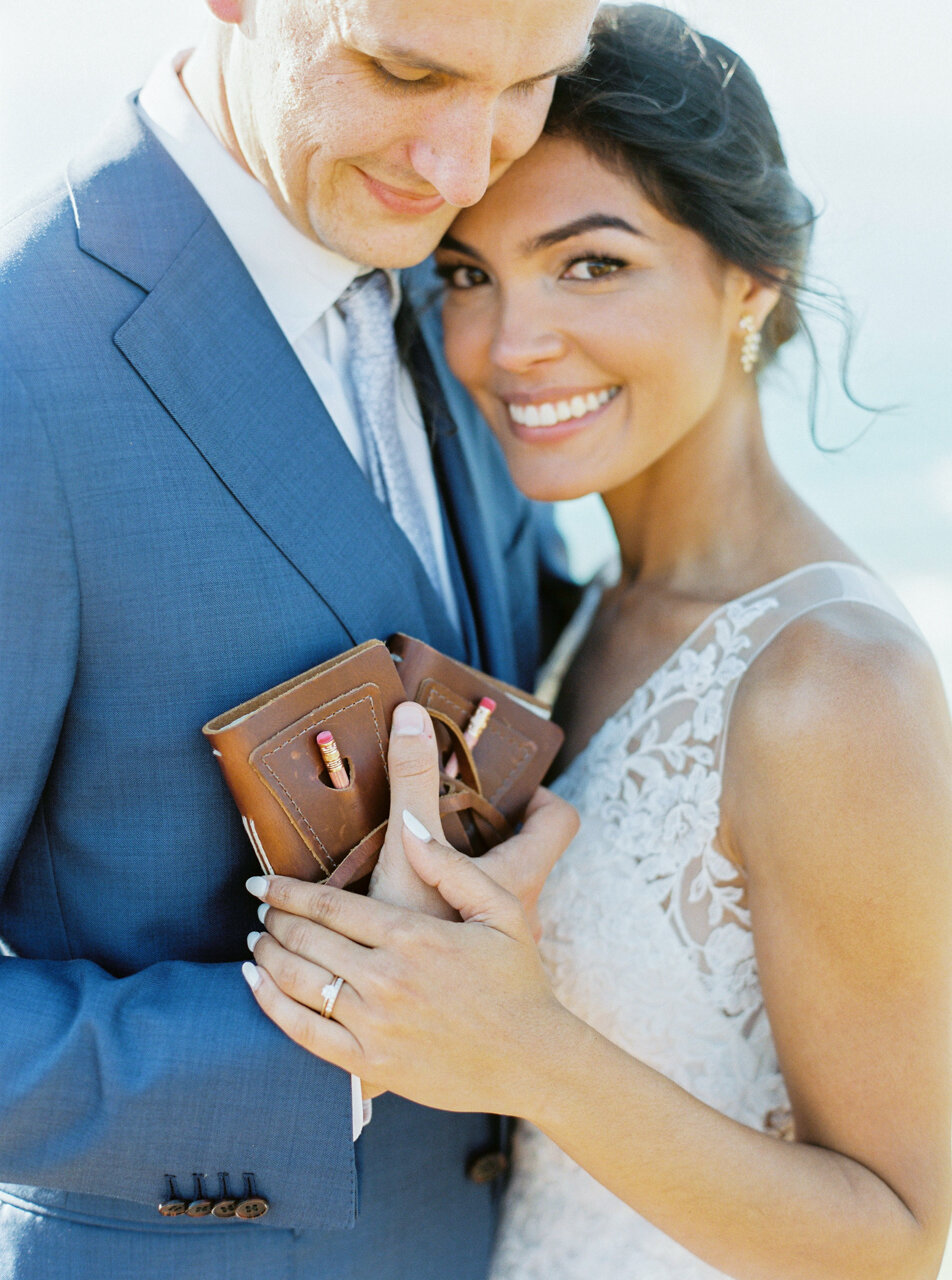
pixel 398 201
pixel 532 418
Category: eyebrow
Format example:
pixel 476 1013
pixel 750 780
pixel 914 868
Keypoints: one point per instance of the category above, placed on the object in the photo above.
pixel 577 227
pixel 420 62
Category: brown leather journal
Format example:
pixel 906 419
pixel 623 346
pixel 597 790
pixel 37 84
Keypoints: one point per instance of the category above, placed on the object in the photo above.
pixel 300 824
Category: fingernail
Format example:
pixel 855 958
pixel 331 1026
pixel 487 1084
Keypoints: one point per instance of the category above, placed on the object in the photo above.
pixel 251 975
pixel 257 886
pixel 409 719
pixel 252 940
pixel 416 827
pixel 263 912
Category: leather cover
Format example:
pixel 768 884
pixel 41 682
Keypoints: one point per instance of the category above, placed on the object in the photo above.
pixel 300 825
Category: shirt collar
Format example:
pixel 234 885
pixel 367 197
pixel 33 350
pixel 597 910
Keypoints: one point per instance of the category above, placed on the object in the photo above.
pixel 298 278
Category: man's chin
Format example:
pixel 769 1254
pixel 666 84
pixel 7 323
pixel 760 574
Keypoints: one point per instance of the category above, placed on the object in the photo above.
pixel 387 241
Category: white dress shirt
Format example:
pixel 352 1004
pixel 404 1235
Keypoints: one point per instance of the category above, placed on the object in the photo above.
pixel 300 281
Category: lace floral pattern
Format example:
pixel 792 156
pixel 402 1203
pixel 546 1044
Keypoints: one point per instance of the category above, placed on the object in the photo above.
pixel 647 936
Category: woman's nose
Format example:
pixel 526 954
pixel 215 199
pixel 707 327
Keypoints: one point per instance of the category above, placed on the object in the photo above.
pixel 525 337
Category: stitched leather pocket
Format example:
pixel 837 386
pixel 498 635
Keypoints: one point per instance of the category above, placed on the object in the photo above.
pixel 331 822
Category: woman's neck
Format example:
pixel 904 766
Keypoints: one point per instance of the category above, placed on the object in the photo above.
pixel 712 514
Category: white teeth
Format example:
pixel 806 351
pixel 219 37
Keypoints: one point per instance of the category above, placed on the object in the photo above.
pixel 550 413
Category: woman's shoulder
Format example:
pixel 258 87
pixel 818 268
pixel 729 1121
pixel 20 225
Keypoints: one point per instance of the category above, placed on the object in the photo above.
pixel 843 666
pixel 842 715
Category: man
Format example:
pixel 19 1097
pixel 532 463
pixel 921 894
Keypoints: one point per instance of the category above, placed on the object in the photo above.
pixel 195 503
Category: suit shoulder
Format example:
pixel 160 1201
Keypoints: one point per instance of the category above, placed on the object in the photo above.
pixel 40 224
pixel 40 263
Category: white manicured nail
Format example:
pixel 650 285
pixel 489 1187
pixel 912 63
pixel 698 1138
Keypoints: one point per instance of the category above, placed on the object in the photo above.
pixel 416 827
pixel 252 940
pixel 257 886
pixel 409 719
pixel 263 912
pixel 251 975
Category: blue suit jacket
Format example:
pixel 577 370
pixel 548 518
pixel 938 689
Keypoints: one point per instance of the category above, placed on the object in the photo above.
pixel 181 527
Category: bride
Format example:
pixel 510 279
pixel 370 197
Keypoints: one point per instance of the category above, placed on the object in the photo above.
pixel 733 1055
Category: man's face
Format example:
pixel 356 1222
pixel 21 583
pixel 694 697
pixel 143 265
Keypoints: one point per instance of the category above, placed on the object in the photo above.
pixel 371 122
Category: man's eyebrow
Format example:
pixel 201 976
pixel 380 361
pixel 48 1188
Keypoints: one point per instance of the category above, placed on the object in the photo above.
pixel 419 61
pixel 578 227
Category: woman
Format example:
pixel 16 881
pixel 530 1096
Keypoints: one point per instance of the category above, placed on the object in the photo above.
pixel 749 937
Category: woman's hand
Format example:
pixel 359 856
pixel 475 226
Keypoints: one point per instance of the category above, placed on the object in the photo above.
pixel 520 864
pixel 451 1014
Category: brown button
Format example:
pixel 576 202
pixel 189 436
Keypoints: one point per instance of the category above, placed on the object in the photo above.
pixel 173 1205
pixel 200 1206
pixel 487 1166
pixel 172 1208
pixel 253 1205
pixel 226 1204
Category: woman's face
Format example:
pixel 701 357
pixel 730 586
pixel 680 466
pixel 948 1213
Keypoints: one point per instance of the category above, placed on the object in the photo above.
pixel 593 332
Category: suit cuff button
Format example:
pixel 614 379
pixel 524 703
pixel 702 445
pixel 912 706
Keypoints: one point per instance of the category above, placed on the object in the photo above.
pixel 173 1205
pixel 253 1205
pixel 226 1206
pixel 200 1206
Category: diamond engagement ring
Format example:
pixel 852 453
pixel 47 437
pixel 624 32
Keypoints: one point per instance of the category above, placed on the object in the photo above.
pixel 329 994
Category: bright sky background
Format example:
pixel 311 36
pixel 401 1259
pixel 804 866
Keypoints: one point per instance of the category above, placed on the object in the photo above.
pixel 861 93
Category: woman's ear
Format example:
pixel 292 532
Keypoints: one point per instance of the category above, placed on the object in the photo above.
pixel 758 300
pixel 749 302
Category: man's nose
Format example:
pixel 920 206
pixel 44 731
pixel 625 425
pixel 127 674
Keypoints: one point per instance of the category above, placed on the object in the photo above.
pixel 455 155
pixel 468 137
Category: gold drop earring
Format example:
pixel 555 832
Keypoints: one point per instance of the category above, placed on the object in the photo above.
pixel 750 351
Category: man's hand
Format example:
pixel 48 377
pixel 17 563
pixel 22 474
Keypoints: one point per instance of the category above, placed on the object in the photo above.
pixel 519 865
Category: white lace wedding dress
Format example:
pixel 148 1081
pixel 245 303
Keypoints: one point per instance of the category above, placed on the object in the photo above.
pixel 646 935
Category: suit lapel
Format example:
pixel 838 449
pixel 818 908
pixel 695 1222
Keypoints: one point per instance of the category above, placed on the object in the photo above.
pixel 484 613
pixel 210 351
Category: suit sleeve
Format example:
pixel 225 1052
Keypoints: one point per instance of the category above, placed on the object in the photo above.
pixel 108 1084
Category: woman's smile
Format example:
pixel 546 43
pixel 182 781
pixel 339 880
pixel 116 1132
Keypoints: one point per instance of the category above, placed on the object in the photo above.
pixel 574 407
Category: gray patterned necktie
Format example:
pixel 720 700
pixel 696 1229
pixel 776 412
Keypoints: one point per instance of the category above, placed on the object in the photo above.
pixel 374 373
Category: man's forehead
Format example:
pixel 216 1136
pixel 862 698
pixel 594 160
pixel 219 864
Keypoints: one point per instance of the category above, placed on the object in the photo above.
pixel 494 41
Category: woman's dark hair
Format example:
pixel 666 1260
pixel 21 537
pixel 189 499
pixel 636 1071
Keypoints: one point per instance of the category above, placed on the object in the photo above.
pixel 685 116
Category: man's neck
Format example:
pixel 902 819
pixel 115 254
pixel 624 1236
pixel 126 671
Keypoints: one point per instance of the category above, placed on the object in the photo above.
pixel 202 77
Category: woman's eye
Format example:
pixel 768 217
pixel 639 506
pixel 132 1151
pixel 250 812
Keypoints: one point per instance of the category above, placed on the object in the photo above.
pixel 456 275
pixel 592 268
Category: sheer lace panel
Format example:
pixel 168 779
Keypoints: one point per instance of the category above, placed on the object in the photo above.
pixel 646 933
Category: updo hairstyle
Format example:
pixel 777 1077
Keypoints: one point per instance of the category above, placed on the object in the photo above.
pixel 685 116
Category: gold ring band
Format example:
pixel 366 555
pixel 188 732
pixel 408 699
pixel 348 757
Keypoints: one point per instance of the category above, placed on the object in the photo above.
pixel 329 994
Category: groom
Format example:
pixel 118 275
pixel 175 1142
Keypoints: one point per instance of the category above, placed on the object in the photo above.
pixel 194 505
